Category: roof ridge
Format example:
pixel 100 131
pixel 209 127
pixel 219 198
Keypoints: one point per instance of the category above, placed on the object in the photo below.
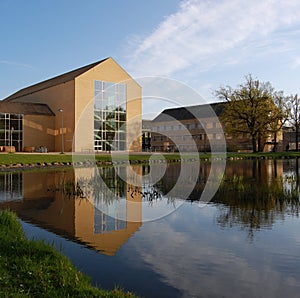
pixel 188 112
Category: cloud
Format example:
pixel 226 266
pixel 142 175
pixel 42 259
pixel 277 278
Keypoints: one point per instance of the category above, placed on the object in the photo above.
pixel 296 62
pixel 203 34
pixel 16 64
pixel 202 262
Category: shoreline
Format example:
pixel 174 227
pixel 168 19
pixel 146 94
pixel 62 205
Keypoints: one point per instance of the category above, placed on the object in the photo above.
pixel 20 161
pixel 31 268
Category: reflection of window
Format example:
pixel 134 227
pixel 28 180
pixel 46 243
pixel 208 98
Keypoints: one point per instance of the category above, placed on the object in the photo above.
pixel 109 116
pixel 105 223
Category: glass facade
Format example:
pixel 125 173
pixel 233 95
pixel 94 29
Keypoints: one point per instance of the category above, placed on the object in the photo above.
pixel 109 116
pixel 11 130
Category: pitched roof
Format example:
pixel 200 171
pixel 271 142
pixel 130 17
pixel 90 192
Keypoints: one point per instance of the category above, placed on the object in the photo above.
pixel 25 108
pixel 146 123
pixel 66 77
pixel 190 112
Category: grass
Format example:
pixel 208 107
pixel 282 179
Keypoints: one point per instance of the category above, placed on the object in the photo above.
pixel 25 159
pixel 34 269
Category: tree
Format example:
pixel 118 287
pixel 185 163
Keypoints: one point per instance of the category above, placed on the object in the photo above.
pixel 279 115
pixel 294 115
pixel 250 109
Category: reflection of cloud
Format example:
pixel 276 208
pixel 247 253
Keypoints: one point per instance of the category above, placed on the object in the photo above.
pixel 15 64
pixel 202 34
pixel 201 261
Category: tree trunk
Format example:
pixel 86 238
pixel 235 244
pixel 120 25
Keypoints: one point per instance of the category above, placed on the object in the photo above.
pixel 259 143
pixel 296 138
pixel 275 142
pixel 254 144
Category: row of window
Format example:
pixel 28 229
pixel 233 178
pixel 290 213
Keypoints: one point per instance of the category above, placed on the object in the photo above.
pixel 183 148
pixel 212 136
pixel 189 126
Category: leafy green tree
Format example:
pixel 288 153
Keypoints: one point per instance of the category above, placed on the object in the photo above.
pixel 250 109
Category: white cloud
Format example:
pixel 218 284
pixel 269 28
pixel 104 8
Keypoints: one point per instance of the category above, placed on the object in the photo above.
pixel 203 34
pixel 201 262
pixel 296 62
pixel 15 64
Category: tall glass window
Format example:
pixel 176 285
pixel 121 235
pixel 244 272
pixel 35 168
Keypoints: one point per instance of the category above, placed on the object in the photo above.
pixel 11 130
pixel 109 116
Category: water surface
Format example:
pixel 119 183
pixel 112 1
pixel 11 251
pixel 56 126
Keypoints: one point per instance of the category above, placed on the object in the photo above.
pixel 244 242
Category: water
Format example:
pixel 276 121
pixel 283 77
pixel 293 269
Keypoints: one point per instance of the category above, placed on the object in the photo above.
pixel 244 242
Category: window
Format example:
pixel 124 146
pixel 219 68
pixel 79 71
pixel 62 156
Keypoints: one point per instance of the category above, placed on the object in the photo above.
pixel 109 116
pixel 11 130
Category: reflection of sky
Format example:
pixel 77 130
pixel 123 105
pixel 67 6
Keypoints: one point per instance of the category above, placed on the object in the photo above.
pixel 191 253
pixel 188 254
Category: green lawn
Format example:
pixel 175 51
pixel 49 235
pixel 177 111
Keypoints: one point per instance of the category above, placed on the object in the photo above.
pixel 25 159
pixel 34 269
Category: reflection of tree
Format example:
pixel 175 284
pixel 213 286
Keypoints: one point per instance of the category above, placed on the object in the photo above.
pixel 252 195
pixel 253 205
pixel 104 185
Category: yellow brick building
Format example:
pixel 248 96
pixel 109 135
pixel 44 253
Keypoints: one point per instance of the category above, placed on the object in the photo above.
pixel 93 108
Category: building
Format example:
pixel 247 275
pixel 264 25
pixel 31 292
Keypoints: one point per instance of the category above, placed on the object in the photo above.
pixel 289 138
pixel 146 135
pixel 179 129
pixel 196 128
pixel 93 108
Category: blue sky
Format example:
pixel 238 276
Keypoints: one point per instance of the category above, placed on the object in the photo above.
pixel 204 44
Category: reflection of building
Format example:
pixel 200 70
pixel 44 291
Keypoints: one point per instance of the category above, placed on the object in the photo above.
pixel 43 201
pixel 86 108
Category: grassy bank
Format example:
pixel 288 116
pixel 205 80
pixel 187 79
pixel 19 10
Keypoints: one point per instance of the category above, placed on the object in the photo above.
pixel 35 269
pixel 48 159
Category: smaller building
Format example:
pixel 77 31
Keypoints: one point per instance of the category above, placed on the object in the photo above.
pixel 187 129
pixel 289 139
pixel 196 128
pixel 146 135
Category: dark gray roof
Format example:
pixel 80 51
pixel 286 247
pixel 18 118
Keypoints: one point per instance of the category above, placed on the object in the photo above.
pixel 25 108
pixel 146 123
pixel 66 77
pixel 191 112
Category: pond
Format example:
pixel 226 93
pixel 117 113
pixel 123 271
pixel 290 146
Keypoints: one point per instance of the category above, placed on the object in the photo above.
pixel 140 234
